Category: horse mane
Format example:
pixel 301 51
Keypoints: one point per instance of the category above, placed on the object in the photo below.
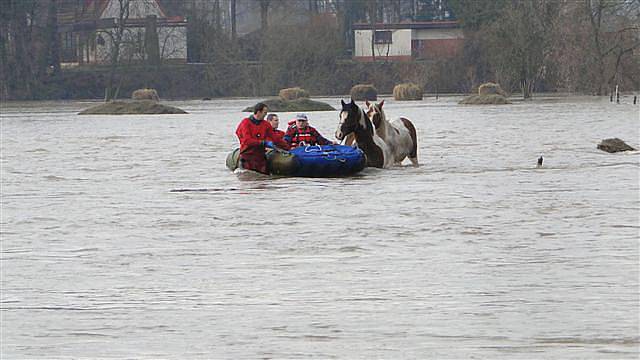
pixel 367 122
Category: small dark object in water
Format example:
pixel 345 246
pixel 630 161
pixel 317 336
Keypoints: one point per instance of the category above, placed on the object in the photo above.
pixel 206 98
pixel 611 97
pixel 635 98
pixel 540 159
pixel 614 145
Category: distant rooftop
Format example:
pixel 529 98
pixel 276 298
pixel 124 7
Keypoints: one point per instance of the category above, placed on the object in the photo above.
pixel 444 24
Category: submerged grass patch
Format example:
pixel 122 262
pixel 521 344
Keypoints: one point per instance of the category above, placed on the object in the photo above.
pixel 131 107
pixel 489 99
pixel 302 104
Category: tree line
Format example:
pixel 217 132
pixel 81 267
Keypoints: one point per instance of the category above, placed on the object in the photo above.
pixel 584 46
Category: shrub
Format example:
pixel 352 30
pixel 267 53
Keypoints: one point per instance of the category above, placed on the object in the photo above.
pixel 364 92
pixel 293 93
pixel 491 89
pixel 407 91
pixel 145 94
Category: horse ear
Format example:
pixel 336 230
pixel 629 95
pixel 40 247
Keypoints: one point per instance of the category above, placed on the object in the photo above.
pixel 343 103
pixel 366 102
pixel 381 104
pixel 352 101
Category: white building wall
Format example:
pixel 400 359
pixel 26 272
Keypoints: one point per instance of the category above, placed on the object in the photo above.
pixel 172 39
pixel 437 34
pixel 400 44
pixel 138 9
pixel 172 44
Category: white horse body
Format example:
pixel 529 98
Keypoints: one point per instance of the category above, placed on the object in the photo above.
pixel 397 134
pixel 386 150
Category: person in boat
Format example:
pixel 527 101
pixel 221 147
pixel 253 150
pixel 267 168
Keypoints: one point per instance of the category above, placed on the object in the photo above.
pixel 278 135
pixel 256 134
pixel 301 133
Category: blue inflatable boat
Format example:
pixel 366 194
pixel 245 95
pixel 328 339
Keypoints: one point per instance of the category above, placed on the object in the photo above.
pixel 311 161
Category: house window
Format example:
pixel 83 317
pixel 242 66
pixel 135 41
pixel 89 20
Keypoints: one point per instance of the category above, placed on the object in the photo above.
pixel 68 42
pixel 68 47
pixel 382 37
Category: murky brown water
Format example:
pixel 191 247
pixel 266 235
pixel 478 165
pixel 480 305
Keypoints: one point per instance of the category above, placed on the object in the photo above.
pixel 476 254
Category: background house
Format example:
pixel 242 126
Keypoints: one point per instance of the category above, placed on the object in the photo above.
pixel 406 41
pixel 87 31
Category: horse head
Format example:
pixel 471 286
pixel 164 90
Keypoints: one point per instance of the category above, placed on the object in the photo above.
pixel 375 113
pixel 351 118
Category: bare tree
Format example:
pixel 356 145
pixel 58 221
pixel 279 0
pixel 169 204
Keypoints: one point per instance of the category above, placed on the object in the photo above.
pixel 21 58
pixel 373 10
pixel 613 34
pixel 169 38
pixel 264 14
pixel 519 43
pixel 234 31
pixel 53 44
pixel 116 37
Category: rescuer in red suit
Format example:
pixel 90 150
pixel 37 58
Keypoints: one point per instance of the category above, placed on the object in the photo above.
pixel 255 135
pixel 301 134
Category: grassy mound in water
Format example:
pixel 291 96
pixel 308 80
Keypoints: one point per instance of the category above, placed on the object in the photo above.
pixel 131 107
pixel 297 105
pixel 489 99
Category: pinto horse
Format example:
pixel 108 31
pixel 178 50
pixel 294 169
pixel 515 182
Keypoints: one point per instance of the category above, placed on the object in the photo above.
pixel 400 135
pixel 353 120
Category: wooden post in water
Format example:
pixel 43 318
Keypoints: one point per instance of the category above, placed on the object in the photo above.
pixel 617 95
pixel 635 98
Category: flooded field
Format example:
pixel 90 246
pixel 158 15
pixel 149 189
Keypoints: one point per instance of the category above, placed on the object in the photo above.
pixel 475 254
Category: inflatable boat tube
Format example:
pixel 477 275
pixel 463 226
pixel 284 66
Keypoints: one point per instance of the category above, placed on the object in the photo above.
pixel 310 161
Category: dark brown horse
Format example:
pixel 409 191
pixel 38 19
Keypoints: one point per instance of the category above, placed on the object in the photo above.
pixel 353 120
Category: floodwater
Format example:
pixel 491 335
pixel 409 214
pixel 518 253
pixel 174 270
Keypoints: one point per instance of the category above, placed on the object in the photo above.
pixel 476 254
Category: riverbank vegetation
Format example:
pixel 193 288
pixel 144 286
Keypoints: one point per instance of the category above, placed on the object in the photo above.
pixel 527 46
